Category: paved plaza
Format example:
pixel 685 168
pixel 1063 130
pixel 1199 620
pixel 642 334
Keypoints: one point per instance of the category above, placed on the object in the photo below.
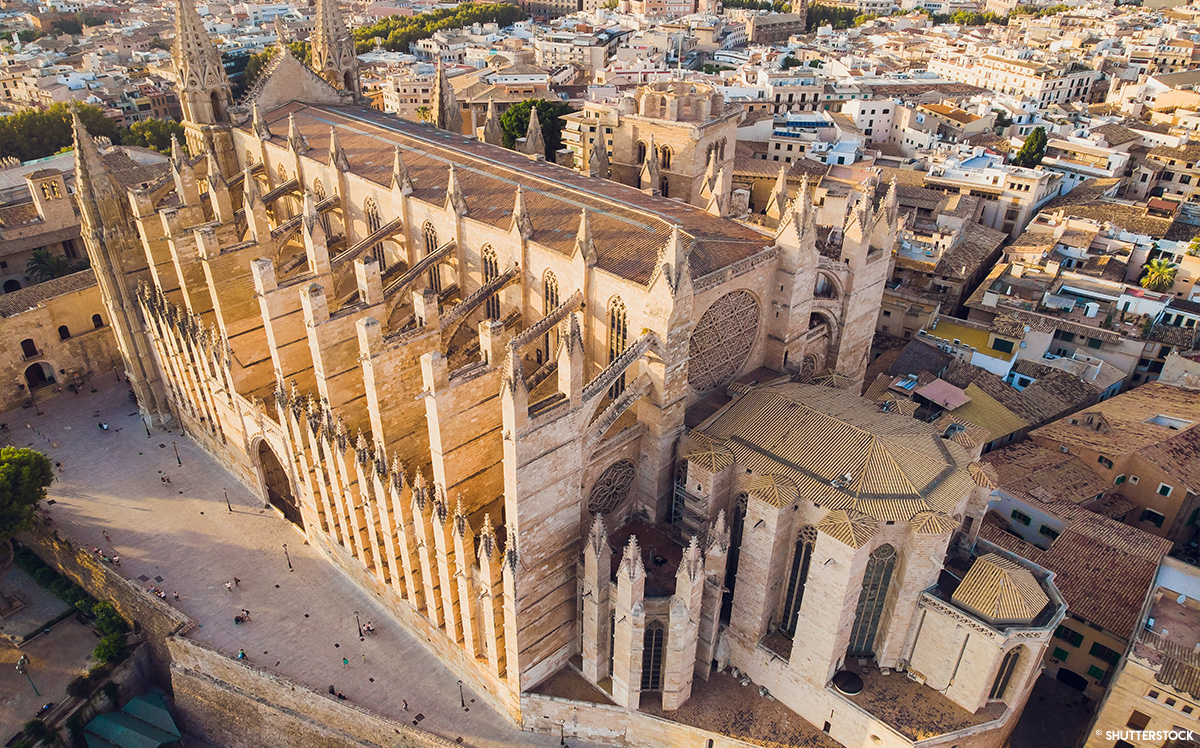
pixel 180 537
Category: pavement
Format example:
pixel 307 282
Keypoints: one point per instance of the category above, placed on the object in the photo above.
pixel 1055 716
pixel 40 605
pixel 180 537
pixel 54 660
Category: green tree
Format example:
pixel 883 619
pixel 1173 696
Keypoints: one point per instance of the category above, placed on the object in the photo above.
pixel 87 20
pixel 1158 275
pixel 1193 247
pixel 790 62
pixel 153 133
pixel 70 26
pixel 28 35
pixel 44 265
pixel 33 133
pixel 425 114
pixel 1033 150
pixel 24 476
pixel 398 32
pixel 515 123
pixel 112 648
pixel 820 14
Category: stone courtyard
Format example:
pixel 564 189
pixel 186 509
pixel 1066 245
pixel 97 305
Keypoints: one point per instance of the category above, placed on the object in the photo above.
pixel 181 537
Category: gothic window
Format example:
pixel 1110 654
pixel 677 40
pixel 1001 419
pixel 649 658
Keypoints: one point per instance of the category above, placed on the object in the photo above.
pixel 722 340
pixel 794 594
pixel 46 190
pixel 97 321
pixel 491 271
pixel 282 172
pixel 611 488
pixel 664 187
pixel 29 348
pixel 721 150
pixel 373 223
pixel 652 657
pixel 641 153
pixel 64 332
pixel 1007 667
pixel 550 302
pixel 249 157
pixel 664 157
pixel 54 190
pixel 871 600
pixel 618 339
pixel 431 245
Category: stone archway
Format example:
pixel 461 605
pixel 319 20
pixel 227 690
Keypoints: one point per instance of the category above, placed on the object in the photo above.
pixel 277 486
pixel 39 375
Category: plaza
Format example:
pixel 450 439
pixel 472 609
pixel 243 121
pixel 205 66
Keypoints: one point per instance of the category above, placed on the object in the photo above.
pixel 181 537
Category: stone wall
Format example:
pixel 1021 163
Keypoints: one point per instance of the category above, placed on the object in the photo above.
pixel 151 617
pixel 237 705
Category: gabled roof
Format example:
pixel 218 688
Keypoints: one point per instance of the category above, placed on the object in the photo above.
pixel 1001 591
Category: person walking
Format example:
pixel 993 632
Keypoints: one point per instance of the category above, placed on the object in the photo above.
pixel 364 658
pixel 106 538
pixel 345 662
pixel 176 594
pixel 236 582
pixel 241 654
pixel 229 587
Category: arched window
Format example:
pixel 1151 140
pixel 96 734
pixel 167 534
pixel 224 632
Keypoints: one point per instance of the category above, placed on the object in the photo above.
pixel 29 348
pixel 871 601
pixel 54 189
pixel 249 157
pixel 491 271
pixel 664 187
pixel 46 190
pixel 1007 667
pixel 97 321
pixel 652 656
pixel 799 577
pixel 64 332
pixel 641 153
pixel 431 245
pixel 371 211
pixel 664 157
pixel 618 339
pixel 721 150
pixel 550 302
pixel 282 172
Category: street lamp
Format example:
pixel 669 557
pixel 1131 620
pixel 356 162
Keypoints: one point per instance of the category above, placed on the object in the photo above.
pixel 359 624
pixel 285 555
pixel 176 448
pixel 461 699
pixel 23 669
pixel 230 507
pixel 562 737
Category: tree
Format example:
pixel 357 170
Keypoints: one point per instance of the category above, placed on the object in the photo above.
pixel 515 123
pixel 790 62
pixel 1158 275
pixel 34 133
pixel 399 32
pixel 154 134
pixel 1193 247
pixel 44 265
pixel 1033 150
pixel 70 26
pixel 424 113
pixel 24 476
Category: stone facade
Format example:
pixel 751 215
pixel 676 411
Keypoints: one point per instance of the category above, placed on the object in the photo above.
pixel 460 370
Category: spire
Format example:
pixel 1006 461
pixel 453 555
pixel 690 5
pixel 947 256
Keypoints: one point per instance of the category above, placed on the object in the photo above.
pixel 296 141
pixel 692 563
pixel 597 537
pixel 777 202
pixel 454 193
pixel 176 152
pixel 260 126
pixel 446 113
pixel 712 171
pixel 673 258
pixel 333 52
pixel 205 93
pixel 535 144
pixel 651 176
pixel 598 163
pixel 255 210
pixel 492 133
pixel 716 200
pixel 487 538
pixel 631 562
pixel 400 180
pixel 92 181
pixel 583 239
pixel 337 156
pixel 521 221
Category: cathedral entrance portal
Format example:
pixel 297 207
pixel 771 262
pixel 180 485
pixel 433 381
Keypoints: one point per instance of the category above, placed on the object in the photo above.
pixel 39 375
pixel 279 490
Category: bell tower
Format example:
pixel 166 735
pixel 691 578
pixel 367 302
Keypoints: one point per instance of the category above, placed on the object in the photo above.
pixel 204 90
pixel 333 54
pixel 118 259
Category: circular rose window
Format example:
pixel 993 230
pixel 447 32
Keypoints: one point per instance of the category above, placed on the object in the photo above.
pixel 722 340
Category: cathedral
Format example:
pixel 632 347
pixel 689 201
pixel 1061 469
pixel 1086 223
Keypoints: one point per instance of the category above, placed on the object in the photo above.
pixel 559 423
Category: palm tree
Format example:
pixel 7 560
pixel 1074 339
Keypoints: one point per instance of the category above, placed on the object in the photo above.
pixel 1159 274
pixel 424 113
pixel 43 265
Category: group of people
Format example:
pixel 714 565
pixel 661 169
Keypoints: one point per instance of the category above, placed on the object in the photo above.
pixel 113 559
pixel 161 593
pixel 244 616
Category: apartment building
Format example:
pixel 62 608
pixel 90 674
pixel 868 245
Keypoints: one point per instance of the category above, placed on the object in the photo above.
pixel 1058 82
pixel 1011 194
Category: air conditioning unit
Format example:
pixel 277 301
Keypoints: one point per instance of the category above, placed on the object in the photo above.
pixel 916 675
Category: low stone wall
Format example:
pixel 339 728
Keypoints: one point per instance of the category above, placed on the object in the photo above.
pixel 154 619
pixel 614 725
pixel 237 705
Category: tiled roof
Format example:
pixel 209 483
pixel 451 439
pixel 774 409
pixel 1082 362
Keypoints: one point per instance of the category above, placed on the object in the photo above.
pixel 1115 134
pixel 1125 417
pixel 29 297
pixel 1103 568
pixel 987 413
pixel 849 527
pixel 840 451
pixel 1030 471
pixel 1001 590
pixel 713 458
pixel 919 356
pixel 627 239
